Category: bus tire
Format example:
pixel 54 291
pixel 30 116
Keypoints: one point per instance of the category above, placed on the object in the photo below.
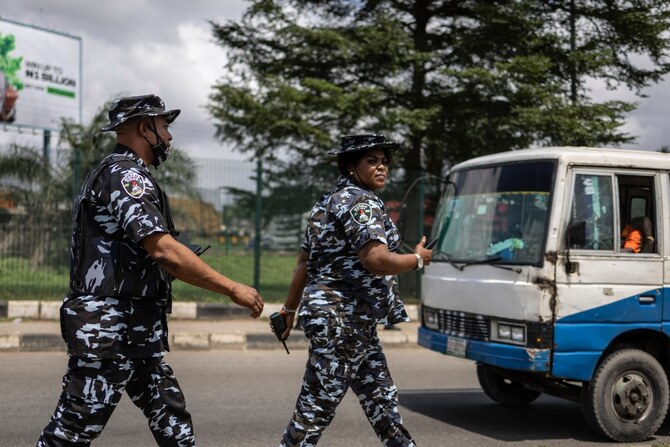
pixel 503 390
pixel 627 398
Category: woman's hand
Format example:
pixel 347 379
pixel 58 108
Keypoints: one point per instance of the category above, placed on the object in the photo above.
pixel 377 259
pixel 295 289
pixel 289 318
pixel 422 251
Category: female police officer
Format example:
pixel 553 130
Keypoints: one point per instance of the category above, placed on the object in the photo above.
pixel 345 284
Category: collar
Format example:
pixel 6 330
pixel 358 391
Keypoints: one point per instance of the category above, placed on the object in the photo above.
pixel 129 153
pixel 344 182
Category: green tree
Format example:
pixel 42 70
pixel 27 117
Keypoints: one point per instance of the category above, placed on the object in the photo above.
pixel 450 79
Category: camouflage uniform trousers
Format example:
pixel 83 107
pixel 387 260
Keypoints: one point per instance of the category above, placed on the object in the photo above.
pixel 340 358
pixel 93 387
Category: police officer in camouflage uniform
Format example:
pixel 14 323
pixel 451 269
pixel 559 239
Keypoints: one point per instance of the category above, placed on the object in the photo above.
pixel 124 256
pixel 345 285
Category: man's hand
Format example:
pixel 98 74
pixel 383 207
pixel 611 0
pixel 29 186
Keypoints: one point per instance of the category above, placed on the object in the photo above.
pixel 248 297
pixel 179 261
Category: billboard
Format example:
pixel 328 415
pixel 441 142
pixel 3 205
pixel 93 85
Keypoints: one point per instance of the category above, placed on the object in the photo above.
pixel 40 76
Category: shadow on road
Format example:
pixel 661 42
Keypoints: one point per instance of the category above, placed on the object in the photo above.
pixel 546 418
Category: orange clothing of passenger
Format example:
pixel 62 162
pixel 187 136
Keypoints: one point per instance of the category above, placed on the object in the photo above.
pixel 633 239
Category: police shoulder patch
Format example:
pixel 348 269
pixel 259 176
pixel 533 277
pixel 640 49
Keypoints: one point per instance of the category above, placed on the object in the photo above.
pixel 133 184
pixel 361 213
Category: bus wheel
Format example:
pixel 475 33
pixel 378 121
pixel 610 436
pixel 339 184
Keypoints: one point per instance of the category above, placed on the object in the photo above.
pixel 503 390
pixel 627 398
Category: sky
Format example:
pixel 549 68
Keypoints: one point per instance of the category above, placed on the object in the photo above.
pixel 133 47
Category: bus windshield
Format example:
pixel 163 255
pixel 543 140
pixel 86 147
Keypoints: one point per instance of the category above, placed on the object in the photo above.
pixel 495 214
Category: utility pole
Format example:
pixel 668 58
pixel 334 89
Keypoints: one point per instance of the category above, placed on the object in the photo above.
pixel 46 139
pixel 257 237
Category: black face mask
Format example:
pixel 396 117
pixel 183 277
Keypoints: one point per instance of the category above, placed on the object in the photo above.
pixel 161 149
pixel 161 152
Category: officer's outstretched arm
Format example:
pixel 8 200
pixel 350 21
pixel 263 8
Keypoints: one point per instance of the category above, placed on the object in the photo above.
pixel 179 261
pixel 376 258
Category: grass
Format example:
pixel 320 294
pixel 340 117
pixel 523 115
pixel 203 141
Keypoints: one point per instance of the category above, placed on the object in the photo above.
pixel 275 275
pixel 19 282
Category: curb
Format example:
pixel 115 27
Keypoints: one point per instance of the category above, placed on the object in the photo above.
pixel 179 341
pixel 197 341
pixel 181 310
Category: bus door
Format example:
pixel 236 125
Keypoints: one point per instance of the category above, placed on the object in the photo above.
pixel 603 288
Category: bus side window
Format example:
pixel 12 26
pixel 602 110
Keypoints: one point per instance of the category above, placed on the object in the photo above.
pixel 593 203
pixel 637 211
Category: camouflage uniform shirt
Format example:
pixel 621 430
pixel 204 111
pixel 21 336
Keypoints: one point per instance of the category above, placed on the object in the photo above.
pixel 340 223
pixel 118 294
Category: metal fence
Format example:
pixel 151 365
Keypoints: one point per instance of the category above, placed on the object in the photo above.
pixel 34 254
pixel 34 259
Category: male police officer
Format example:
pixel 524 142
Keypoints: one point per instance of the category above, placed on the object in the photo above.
pixel 124 256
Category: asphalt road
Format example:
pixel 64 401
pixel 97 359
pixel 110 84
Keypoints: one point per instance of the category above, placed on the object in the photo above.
pixel 245 398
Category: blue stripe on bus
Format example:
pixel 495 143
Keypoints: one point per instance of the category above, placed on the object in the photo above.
pixel 625 310
pixel 580 339
pixel 505 356
pixel 578 347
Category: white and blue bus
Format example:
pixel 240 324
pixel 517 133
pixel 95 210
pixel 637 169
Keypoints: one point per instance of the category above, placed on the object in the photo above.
pixel 529 279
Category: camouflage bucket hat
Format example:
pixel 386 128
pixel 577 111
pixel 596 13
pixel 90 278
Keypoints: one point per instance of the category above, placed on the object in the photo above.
pixel 124 109
pixel 364 142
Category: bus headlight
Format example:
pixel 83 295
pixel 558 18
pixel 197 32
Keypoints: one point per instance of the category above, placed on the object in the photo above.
pixel 518 334
pixel 508 332
pixel 431 319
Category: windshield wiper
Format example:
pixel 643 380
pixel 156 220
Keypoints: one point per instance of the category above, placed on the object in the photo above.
pixel 506 267
pixel 445 257
pixel 490 260
pixel 487 261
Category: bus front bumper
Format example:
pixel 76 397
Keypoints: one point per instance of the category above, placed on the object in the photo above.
pixel 507 356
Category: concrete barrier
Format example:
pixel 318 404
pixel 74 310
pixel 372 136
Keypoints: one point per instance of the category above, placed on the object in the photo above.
pixel 10 343
pixel 190 341
pixel 184 311
pixel 50 310
pixel 236 340
pixel 23 309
